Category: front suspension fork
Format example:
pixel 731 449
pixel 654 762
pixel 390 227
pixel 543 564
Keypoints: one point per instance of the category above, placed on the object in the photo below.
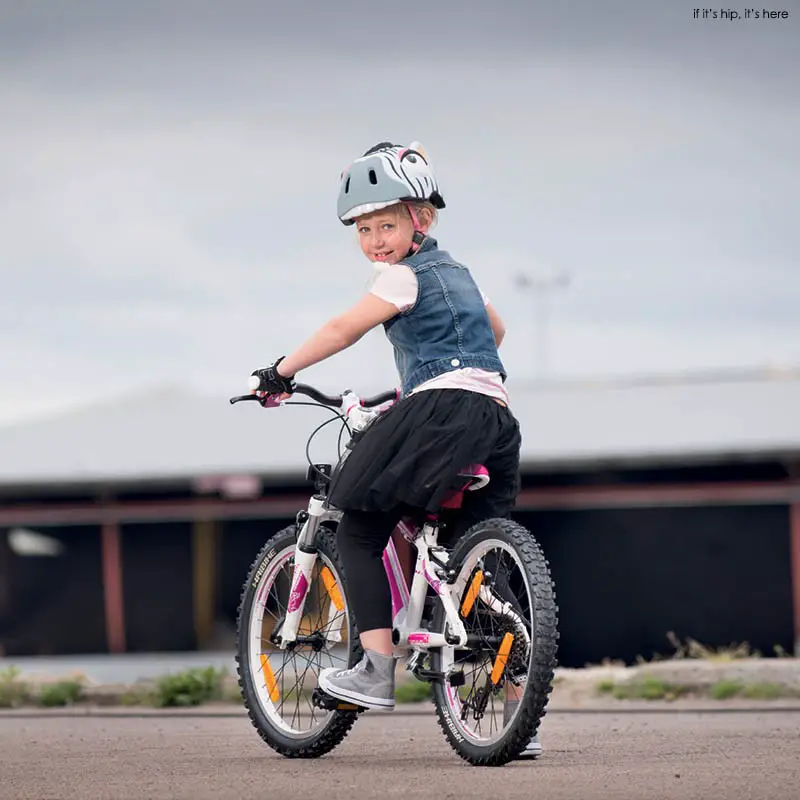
pixel 305 557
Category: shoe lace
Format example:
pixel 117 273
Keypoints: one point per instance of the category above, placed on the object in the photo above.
pixel 360 667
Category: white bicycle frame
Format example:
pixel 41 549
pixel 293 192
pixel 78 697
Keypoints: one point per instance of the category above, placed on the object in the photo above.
pixel 407 605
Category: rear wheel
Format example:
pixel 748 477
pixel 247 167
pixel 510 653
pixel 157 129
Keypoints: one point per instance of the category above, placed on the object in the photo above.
pixel 277 684
pixel 506 600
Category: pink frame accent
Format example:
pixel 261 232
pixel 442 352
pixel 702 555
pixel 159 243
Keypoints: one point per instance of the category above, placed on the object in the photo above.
pixel 298 592
pixel 401 591
pixel 397 581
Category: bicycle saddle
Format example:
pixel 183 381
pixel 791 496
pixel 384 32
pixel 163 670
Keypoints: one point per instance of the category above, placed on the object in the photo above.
pixel 476 477
pixel 472 477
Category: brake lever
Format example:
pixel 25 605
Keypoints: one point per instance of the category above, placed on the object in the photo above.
pixel 267 401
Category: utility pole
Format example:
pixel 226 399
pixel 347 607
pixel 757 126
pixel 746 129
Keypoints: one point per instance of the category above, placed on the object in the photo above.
pixel 541 283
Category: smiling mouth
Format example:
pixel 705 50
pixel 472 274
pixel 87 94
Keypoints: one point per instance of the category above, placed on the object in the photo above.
pixel 382 256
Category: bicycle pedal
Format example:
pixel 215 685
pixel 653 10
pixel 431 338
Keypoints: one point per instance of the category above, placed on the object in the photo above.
pixel 322 700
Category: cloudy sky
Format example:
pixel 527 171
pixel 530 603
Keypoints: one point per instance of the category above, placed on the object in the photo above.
pixel 169 171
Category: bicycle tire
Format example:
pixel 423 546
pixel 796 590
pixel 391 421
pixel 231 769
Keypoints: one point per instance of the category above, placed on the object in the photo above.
pixel 544 643
pixel 339 723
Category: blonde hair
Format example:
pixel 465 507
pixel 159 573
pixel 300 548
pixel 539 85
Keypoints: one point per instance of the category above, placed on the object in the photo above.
pixel 425 212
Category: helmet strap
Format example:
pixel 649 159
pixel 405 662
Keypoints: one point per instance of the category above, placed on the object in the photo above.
pixel 419 236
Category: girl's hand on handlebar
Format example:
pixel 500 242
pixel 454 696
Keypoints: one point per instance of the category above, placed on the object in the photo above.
pixel 268 381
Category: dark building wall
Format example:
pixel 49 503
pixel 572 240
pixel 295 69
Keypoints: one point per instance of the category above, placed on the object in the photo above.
pixel 242 540
pixel 626 577
pixel 54 605
pixel 157 579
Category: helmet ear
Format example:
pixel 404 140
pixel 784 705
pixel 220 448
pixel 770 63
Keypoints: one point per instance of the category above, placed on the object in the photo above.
pixel 419 148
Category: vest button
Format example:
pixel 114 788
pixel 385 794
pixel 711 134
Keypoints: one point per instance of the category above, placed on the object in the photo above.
pixel 455 362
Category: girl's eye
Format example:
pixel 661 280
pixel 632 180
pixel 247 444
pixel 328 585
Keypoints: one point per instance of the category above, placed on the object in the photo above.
pixel 388 225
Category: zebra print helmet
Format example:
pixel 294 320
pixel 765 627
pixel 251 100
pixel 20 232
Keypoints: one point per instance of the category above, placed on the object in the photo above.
pixel 386 174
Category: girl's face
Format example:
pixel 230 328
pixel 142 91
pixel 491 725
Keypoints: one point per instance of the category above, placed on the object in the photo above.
pixel 386 235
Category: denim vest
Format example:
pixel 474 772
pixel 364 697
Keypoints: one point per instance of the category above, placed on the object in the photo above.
pixel 447 328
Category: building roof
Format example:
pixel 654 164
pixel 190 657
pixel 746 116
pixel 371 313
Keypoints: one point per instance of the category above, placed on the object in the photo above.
pixel 171 434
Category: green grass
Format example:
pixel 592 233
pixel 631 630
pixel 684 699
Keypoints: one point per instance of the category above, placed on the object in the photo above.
pixel 646 688
pixel 763 690
pixel 192 687
pixel 63 693
pixel 766 691
pixel 413 691
pixel 13 692
pixel 651 688
pixel 724 689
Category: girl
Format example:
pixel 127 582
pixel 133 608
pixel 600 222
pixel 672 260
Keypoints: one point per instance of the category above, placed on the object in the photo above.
pixel 453 409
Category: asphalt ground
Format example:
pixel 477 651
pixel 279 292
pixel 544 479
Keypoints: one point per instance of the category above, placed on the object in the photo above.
pixel 659 752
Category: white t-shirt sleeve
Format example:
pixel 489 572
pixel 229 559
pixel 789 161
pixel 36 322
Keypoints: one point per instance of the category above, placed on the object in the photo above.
pixel 397 284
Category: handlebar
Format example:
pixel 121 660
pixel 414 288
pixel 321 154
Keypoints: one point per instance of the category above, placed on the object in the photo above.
pixel 335 401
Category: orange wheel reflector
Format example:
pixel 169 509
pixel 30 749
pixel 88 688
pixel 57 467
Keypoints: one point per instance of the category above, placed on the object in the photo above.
pixel 333 589
pixel 472 593
pixel 269 677
pixel 502 657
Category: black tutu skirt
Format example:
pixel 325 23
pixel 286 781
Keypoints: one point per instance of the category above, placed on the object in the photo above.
pixel 411 455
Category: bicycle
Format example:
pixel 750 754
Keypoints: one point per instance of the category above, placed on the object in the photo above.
pixel 478 622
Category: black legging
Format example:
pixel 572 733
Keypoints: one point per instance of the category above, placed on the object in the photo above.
pixel 362 538
pixel 363 535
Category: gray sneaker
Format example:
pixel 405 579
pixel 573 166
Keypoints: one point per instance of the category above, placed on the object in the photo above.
pixel 534 748
pixel 370 683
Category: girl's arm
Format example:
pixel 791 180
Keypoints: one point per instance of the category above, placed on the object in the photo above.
pixel 339 333
pixel 498 329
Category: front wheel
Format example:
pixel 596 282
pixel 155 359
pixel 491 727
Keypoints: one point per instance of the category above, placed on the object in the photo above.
pixel 277 684
pixel 497 688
